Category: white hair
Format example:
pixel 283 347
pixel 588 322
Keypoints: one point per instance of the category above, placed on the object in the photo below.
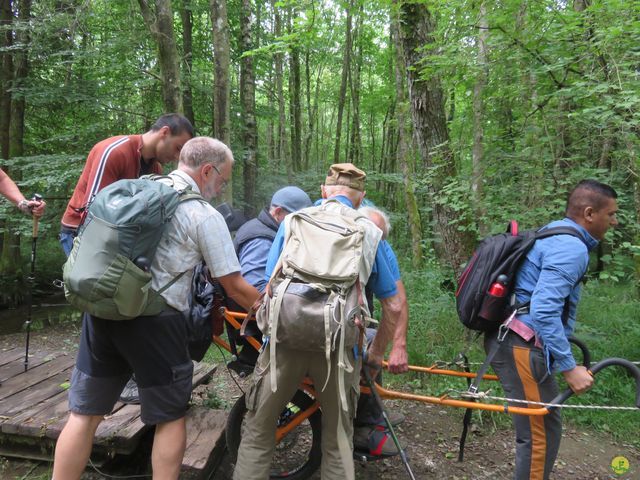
pixel 371 213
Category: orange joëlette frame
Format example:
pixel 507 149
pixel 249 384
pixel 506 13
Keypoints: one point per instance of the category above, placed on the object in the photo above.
pixel 235 318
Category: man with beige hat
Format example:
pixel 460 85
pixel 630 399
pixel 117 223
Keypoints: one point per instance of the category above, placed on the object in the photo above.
pixel 335 373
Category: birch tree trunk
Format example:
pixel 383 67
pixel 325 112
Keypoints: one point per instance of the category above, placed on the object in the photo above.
pixel 160 24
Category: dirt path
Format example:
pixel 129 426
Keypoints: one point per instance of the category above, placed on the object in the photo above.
pixel 432 433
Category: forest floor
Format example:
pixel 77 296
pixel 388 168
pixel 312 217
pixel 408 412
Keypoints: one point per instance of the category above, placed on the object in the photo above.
pixel 431 432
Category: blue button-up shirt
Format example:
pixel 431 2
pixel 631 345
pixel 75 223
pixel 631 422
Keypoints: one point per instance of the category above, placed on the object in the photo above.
pixel 550 277
pixel 381 281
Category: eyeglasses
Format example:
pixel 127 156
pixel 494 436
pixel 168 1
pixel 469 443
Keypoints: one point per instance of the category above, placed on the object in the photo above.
pixel 224 182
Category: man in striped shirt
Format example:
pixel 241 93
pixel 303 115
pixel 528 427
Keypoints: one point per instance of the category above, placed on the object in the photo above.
pixel 121 157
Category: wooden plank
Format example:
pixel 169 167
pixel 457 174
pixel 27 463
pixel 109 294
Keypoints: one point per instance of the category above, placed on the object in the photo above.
pixel 33 376
pixel 123 428
pixel 44 409
pixel 15 367
pixel 35 421
pixel 27 399
pixel 10 355
pixel 205 442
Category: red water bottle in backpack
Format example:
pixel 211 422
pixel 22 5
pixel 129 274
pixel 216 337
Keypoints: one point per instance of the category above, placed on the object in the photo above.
pixel 499 287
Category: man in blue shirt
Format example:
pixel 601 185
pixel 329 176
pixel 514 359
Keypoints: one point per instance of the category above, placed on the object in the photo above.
pixel 537 343
pixel 344 183
pixel 252 243
pixel 253 239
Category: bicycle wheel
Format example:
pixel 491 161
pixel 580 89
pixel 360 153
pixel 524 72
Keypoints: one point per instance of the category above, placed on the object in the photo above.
pixel 298 454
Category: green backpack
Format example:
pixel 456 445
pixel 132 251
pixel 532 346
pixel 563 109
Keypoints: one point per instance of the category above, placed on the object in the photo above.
pixel 107 273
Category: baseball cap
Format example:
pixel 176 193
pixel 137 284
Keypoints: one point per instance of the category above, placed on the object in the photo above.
pixel 346 174
pixel 291 199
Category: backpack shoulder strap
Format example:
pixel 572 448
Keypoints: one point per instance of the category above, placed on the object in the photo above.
pixel 550 232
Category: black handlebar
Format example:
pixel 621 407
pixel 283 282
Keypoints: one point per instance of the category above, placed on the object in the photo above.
pixel 609 362
pixel 586 356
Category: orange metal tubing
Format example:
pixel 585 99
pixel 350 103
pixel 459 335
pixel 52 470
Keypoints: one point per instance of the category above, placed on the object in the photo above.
pixel 233 317
pixel 296 420
pixel 450 402
pixel 453 373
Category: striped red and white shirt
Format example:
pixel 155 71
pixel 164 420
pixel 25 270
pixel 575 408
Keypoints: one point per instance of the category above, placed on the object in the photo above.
pixel 110 160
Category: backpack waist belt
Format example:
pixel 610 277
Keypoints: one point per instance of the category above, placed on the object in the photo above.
pixel 524 331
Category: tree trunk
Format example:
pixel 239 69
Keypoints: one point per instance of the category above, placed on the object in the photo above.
pixel 221 89
pixel 432 138
pixel 478 121
pixel 403 150
pixel 294 103
pixel 187 60
pixel 278 67
pixel 10 260
pixel 6 72
pixel 248 101
pixel 310 114
pixel 160 24
pixel 346 66
pixel 355 142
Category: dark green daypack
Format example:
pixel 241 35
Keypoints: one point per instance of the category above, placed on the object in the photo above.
pixel 107 273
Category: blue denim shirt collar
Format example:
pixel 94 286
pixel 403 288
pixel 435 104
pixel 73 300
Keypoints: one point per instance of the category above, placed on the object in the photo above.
pixel 341 198
pixel 588 240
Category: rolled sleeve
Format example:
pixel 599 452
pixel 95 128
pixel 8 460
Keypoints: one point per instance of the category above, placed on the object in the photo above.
pixel 561 271
pixel 216 245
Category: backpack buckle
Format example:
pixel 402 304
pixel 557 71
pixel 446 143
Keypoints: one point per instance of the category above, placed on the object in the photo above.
pixel 504 327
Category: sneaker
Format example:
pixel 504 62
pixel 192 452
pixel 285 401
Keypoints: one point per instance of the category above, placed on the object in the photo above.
pixel 130 393
pixel 377 441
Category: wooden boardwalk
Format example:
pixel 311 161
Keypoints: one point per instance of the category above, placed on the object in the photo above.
pixel 33 410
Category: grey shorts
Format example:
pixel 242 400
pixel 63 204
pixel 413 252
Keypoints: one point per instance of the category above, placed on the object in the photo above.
pixel 154 348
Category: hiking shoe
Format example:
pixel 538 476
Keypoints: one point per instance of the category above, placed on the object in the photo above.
pixel 396 418
pixel 129 393
pixel 377 441
pixel 241 368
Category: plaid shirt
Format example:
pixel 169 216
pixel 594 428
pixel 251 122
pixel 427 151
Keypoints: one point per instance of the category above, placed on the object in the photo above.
pixel 196 232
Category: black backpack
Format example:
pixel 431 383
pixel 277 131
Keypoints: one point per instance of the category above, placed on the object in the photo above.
pixel 485 287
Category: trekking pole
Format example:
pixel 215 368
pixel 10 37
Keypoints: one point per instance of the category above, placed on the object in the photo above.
pixel 31 279
pixel 376 396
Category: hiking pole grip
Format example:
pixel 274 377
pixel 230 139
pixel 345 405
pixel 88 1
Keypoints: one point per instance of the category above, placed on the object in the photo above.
pixel 608 362
pixel 36 220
